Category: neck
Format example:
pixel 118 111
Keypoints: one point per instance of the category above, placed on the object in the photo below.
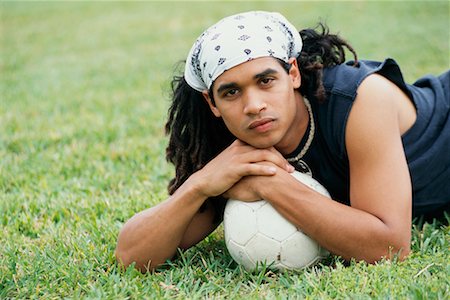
pixel 297 129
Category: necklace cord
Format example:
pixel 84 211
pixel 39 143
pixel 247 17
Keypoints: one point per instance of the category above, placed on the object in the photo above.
pixel 310 136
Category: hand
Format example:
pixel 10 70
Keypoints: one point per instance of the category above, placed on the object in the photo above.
pixel 234 163
pixel 246 189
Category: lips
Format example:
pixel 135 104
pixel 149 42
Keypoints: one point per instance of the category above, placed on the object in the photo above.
pixel 260 123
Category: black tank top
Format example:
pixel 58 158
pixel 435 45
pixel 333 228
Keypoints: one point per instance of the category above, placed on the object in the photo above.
pixel 426 144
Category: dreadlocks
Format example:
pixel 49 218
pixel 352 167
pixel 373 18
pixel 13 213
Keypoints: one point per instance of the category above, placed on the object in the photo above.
pixel 320 50
pixel 196 135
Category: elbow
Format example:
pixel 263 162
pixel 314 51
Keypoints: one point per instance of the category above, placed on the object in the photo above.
pixel 121 253
pixel 128 255
pixel 392 254
pixel 393 250
pixel 124 259
pixel 400 252
pixel 400 246
pixel 394 243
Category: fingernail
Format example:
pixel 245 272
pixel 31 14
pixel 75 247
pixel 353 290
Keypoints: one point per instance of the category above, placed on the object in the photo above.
pixel 272 170
pixel 290 168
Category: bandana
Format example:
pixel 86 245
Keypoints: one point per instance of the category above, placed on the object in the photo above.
pixel 237 39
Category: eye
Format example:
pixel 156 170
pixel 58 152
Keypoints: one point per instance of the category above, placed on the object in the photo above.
pixel 266 81
pixel 231 93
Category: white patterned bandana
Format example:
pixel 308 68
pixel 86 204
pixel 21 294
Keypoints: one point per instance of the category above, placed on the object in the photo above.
pixel 237 39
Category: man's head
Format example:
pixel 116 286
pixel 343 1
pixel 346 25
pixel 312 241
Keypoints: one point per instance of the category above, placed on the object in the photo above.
pixel 258 103
pixel 237 39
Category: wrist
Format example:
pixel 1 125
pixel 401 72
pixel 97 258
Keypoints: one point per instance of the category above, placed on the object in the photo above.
pixel 197 185
pixel 270 186
pixel 265 187
pixel 190 194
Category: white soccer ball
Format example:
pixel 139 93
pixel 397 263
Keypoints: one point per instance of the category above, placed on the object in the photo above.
pixel 256 234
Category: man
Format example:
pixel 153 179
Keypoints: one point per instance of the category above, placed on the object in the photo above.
pixel 256 100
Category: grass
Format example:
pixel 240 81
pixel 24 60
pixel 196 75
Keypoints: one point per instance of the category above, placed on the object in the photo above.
pixel 84 93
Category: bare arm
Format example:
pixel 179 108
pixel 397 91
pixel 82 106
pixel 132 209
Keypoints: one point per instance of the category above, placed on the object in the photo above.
pixel 378 222
pixel 152 236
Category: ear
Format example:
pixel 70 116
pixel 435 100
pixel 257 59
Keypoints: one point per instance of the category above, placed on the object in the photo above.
pixel 294 73
pixel 208 100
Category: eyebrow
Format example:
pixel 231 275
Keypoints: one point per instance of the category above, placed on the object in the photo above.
pixel 232 85
pixel 264 73
pixel 226 86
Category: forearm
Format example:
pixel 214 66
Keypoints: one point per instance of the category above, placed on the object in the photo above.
pixel 152 236
pixel 343 230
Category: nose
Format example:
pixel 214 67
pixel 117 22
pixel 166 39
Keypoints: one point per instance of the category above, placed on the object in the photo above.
pixel 254 103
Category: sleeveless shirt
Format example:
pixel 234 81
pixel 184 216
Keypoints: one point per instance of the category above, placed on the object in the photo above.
pixel 426 143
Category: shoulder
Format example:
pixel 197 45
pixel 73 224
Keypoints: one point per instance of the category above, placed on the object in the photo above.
pixel 374 116
pixel 376 97
pixel 376 86
pixel 346 78
pixel 369 91
pixel 345 85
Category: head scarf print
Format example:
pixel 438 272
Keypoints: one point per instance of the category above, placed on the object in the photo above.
pixel 237 39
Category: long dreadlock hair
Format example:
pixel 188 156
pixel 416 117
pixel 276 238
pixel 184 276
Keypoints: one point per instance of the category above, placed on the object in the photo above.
pixel 196 135
pixel 320 50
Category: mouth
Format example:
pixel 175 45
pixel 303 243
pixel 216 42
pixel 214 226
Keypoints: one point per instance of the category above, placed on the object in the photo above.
pixel 261 125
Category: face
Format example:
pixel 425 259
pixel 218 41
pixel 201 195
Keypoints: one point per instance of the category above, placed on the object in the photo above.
pixel 258 103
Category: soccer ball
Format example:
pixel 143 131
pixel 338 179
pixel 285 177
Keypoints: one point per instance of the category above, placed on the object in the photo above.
pixel 256 234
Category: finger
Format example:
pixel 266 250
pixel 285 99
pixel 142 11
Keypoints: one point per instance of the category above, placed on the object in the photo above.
pixel 240 152
pixel 288 167
pixel 265 155
pixel 257 169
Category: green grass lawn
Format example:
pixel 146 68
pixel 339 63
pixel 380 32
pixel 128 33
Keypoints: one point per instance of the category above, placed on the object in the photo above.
pixel 84 91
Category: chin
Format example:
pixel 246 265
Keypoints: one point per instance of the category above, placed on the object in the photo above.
pixel 262 144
